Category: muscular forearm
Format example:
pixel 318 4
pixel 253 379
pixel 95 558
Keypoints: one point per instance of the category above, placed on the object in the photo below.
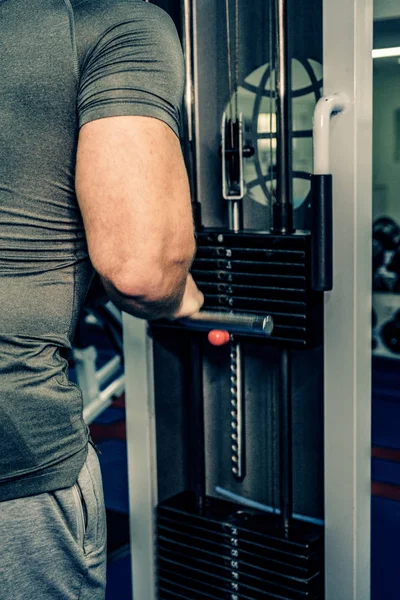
pixel 134 196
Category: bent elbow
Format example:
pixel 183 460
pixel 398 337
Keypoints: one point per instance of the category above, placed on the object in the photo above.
pixel 152 286
pixel 146 286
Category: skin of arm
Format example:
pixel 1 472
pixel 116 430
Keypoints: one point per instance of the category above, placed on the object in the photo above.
pixel 133 193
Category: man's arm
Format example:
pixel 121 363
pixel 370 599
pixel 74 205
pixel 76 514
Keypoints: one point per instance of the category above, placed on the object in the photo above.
pixel 133 192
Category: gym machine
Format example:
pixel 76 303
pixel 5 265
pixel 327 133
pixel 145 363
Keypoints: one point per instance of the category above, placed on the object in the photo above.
pixel 269 285
pixel 235 396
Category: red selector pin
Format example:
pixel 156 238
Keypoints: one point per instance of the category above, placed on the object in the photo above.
pixel 218 337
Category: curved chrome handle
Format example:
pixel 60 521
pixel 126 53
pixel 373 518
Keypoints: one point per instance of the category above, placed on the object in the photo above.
pixel 324 109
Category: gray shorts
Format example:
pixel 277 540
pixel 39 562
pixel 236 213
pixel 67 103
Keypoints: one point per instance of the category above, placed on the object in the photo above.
pixel 53 545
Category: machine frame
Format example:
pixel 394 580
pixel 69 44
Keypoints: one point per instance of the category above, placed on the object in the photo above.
pixel 347 40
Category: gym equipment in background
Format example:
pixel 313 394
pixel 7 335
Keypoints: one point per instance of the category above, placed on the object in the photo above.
pixel 386 256
pixel 386 325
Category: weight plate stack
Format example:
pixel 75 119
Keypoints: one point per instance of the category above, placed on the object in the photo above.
pixel 226 553
pixel 262 274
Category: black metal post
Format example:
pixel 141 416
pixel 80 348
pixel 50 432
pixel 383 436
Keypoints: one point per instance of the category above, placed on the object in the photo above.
pixel 282 217
pixel 188 113
pixel 282 221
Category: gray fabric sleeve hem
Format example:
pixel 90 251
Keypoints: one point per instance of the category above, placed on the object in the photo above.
pixel 127 109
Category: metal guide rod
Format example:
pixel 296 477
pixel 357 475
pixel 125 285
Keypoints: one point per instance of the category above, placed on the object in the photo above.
pixel 196 424
pixel 235 224
pixel 187 47
pixel 285 417
pixel 283 224
pixel 189 106
pixel 283 207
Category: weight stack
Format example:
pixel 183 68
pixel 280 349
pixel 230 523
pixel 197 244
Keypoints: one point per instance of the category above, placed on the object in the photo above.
pixel 262 274
pixel 226 553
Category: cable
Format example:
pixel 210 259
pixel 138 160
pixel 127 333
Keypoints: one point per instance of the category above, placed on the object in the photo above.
pixel 272 109
pixel 229 51
pixel 236 59
pixel 233 78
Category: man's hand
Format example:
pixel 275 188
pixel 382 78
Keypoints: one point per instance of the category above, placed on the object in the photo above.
pixel 192 300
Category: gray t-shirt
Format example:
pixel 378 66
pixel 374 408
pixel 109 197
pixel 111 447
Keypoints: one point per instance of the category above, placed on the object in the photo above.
pixel 62 64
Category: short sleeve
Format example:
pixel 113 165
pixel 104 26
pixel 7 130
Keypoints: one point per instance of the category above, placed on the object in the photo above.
pixel 134 66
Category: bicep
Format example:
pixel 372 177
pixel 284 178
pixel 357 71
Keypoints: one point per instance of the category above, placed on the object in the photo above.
pixel 133 193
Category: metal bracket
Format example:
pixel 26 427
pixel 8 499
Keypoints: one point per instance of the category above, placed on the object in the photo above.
pixel 232 152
